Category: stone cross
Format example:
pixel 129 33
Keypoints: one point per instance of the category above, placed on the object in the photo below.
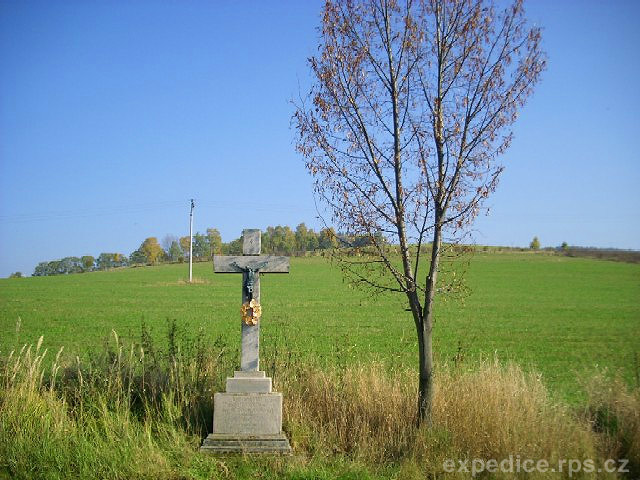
pixel 251 264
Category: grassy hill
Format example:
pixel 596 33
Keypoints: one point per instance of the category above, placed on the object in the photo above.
pixel 563 316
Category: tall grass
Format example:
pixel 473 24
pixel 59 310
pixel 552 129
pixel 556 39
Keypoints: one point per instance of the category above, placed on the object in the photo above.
pixel 491 412
pixel 125 414
pixel 140 411
pixel 614 412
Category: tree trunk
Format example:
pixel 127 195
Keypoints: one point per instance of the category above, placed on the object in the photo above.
pixel 425 385
pixel 425 327
pixel 425 388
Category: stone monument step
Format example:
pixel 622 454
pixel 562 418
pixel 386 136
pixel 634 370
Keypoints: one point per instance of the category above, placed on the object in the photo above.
pixel 249 385
pixel 242 444
pixel 224 443
pixel 249 374
pixel 247 450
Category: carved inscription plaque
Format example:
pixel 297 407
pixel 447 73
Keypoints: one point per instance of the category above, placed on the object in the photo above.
pixel 248 414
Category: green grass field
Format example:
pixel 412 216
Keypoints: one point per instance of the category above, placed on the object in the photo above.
pixel 563 316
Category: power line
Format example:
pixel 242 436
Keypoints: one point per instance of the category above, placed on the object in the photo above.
pixel 141 208
pixel 84 213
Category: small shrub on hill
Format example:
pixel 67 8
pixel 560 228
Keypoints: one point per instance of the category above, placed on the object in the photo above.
pixel 535 244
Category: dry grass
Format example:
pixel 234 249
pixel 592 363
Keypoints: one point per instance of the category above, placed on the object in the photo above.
pixel 359 412
pixel 497 411
pixel 492 412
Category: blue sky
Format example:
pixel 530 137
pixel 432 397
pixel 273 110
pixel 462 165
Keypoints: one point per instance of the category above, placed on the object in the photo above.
pixel 114 114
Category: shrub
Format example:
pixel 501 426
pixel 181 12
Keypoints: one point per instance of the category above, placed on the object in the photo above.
pixel 535 244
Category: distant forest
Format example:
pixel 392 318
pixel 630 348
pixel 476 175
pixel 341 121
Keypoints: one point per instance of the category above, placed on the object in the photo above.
pixel 279 240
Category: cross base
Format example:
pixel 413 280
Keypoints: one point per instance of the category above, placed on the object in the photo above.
pixel 219 443
pixel 247 418
pixel 249 382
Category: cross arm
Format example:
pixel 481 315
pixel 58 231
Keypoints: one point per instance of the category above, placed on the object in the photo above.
pixel 239 263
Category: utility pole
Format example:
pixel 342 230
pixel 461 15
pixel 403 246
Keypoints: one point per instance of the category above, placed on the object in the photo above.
pixel 191 242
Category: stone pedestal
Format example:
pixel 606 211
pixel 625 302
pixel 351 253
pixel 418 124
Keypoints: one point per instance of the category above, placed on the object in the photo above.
pixel 247 418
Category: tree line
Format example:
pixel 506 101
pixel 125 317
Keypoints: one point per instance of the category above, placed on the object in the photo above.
pixel 278 240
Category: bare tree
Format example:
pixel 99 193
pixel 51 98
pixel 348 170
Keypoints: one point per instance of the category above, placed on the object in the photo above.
pixel 167 240
pixel 410 108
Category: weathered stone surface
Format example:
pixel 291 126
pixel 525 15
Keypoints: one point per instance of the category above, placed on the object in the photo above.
pixel 217 443
pixel 250 352
pixel 251 240
pixel 255 374
pixel 263 263
pixel 247 413
pixel 248 385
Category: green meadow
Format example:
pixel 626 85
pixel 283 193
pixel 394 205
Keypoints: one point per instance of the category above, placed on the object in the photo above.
pixel 562 317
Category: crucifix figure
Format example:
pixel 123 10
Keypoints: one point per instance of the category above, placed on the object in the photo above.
pixel 251 264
